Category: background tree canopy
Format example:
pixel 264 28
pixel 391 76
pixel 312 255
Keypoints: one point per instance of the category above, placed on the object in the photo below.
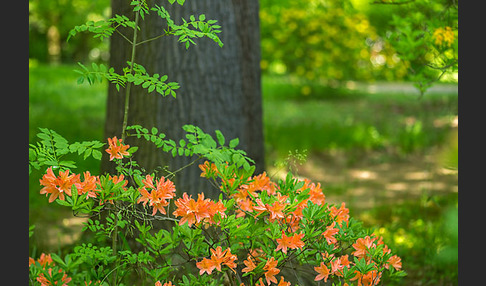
pixel 327 40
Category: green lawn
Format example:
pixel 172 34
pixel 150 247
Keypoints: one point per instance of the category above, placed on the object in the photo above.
pixel 328 119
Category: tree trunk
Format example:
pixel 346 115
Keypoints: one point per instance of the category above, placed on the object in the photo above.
pixel 220 87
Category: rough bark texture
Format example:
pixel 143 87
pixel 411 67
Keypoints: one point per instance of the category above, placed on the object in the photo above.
pixel 220 87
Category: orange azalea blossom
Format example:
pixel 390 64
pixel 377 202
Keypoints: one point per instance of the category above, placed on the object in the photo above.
pixel 245 205
pixel 117 149
pixel 57 186
pixel 362 245
pixel 88 185
pixel 394 261
pixel 341 214
pixel 271 270
pixel 208 169
pixel 45 282
pixel 160 194
pixel 282 282
pixel 218 257
pixel 337 264
pixel 194 212
pixel 250 265
pixel 291 242
pixel 44 259
pixel 206 265
pixel 369 279
pixel 330 232
pixel 315 192
pixel 323 272
pixel 260 183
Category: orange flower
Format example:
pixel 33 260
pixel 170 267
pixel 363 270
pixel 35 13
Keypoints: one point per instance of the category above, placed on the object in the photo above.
pixel 194 212
pixel 394 261
pixel 271 270
pixel 341 214
pixel 282 282
pixel 330 232
pixel 88 185
pixel 250 265
pixel 323 272
pixel 206 265
pixel 218 257
pixel 291 242
pixel 223 257
pixel 57 186
pixel 44 259
pixel 208 169
pixel 362 245
pixel 276 210
pixel 117 149
pixel 315 192
pixel 46 282
pixel 160 194
pixel 369 279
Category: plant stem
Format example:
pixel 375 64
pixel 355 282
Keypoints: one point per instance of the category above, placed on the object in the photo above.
pixel 124 127
pixel 129 84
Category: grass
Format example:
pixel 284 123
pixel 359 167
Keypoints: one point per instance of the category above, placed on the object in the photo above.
pixel 296 116
pixel 328 119
pixel 77 112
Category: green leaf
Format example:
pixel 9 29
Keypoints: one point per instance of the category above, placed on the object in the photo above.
pixel 220 137
pixel 233 143
pixel 97 154
pixel 202 17
pixel 63 203
pixel 132 150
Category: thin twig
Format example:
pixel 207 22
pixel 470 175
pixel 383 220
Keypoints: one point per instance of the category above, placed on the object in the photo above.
pixel 121 34
pixel 151 39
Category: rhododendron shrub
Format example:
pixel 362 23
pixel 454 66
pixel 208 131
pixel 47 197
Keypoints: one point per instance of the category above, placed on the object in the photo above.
pixel 256 228
pixel 259 231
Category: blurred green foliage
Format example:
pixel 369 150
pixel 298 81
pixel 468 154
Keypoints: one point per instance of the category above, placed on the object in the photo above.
pixel 328 40
pixel 50 22
pixel 424 233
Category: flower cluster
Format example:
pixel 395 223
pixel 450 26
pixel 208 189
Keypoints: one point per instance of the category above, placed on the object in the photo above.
pixel 117 149
pixel 59 186
pixel 196 212
pixel 363 247
pixel 46 278
pixel 444 36
pixel 218 258
pixel 156 195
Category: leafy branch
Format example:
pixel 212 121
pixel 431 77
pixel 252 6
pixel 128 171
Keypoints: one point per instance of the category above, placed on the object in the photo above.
pixel 52 147
pixel 184 31
pixel 138 77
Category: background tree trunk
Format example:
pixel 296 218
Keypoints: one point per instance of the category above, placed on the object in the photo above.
pixel 220 87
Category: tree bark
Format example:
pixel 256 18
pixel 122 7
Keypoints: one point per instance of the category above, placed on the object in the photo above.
pixel 220 87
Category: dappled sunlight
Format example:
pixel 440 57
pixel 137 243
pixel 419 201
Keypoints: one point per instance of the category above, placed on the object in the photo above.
pixel 367 185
